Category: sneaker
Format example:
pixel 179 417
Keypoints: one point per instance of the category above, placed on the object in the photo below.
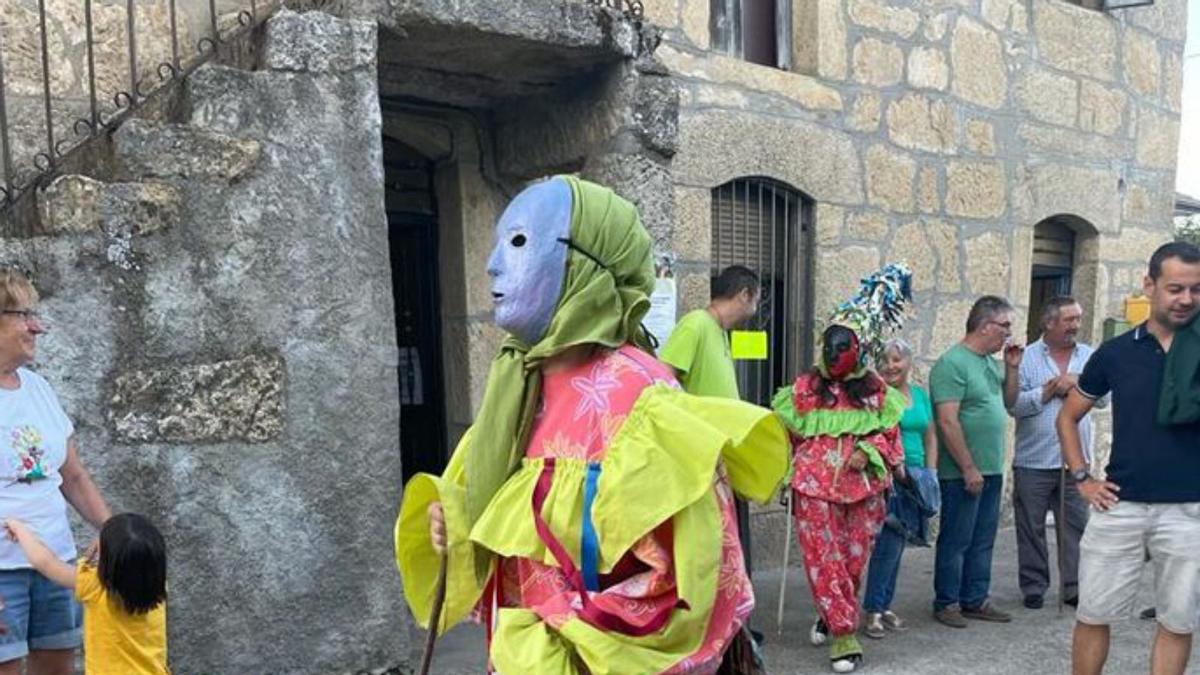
pixel 950 615
pixel 818 633
pixel 845 654
pixel 1033 602
pixel 986 612
pixel 893 622
pixel 874 626
pixel 847 664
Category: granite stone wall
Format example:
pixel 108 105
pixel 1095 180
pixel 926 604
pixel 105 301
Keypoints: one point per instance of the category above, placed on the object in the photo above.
pixel 223 336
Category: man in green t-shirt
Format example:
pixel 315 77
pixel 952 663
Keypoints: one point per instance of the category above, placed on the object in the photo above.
pixel 972 392
pixel 698 349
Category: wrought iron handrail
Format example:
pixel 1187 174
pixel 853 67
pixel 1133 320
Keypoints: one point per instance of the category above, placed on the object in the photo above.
pixel 126 101
pixel 632 9
pixel 51 152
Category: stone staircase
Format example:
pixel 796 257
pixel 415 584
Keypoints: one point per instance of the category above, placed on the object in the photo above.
pixel 214 143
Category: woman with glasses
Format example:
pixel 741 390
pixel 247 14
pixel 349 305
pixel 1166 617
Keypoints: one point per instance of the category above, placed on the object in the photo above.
pixel 904 520
pixel 40 473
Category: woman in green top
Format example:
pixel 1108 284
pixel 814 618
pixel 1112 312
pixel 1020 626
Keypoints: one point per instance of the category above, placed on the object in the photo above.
pixel 919 435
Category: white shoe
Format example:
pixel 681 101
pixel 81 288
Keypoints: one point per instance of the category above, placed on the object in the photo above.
pixel 893 622
pixel 847 665
pixel 873 627
pixel 818 633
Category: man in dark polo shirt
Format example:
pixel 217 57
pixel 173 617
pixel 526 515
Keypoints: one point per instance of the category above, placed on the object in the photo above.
pixel 1151 498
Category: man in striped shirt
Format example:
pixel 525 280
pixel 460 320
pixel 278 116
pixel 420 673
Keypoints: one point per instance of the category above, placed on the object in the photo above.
pixel 1049 371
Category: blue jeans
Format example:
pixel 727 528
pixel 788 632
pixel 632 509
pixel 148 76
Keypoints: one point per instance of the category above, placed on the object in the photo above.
pixel 38 613
pixel 885 567
pixel 963 568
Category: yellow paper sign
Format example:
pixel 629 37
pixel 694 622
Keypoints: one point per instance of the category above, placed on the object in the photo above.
pixel 749 345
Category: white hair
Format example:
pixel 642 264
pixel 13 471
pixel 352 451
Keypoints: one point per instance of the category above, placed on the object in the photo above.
pixel 898 346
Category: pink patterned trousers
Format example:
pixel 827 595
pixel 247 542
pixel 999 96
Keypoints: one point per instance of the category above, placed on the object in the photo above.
pixel 837 539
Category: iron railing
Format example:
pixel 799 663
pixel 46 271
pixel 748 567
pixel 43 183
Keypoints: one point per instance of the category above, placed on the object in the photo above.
pixel 69 119
pixel 42 126
pixel 632 9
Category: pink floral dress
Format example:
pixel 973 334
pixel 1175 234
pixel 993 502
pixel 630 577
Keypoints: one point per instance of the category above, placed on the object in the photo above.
pixel 582 409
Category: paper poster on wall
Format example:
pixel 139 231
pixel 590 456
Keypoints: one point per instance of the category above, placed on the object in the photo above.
pixel 660 320
pixel 748 345
pixel 664 301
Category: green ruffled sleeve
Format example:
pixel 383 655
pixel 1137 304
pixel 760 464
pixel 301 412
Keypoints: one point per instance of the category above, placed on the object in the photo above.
pixel 839 422
pixel 875 462
pixel 419 564
pixel 755 445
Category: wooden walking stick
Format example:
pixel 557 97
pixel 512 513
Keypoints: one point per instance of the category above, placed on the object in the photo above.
pixel 787 547
pixel 435 618
pixel 1059 519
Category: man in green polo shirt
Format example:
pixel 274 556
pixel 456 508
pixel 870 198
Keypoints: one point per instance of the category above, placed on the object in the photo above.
pixel 972 392
pixel 698 349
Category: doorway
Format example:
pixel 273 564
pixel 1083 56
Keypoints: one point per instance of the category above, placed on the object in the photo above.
pixel 413 239
pixel 1052 270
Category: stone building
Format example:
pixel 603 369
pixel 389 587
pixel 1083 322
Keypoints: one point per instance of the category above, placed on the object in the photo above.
pixel 268 286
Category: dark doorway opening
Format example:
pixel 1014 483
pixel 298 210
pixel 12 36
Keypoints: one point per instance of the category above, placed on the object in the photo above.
pixel 413 238
pixel 1053 268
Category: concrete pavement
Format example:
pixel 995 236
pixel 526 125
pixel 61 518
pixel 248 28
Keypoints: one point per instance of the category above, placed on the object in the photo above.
pixel 1035 642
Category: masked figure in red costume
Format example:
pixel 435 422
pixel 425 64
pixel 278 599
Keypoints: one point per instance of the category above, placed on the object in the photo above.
pixel 846 445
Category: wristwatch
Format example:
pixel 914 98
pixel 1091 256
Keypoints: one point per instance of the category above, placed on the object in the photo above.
pixel 1080 475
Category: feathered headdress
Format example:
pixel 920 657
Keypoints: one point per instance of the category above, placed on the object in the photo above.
pixel 879 308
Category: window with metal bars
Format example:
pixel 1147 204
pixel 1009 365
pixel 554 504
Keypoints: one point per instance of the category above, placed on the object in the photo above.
pixel 758 31
pixel 766 226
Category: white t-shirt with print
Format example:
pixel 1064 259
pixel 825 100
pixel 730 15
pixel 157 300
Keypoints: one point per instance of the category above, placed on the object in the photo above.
pixel 33 446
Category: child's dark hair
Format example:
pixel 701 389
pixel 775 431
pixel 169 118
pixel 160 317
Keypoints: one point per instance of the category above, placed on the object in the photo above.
pixel 133 562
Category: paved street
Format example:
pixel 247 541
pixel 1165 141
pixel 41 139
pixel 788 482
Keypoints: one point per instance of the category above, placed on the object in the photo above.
pixel 1036 641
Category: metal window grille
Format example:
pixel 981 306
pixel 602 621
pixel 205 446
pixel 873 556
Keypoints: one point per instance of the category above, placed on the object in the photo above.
pixel 766 226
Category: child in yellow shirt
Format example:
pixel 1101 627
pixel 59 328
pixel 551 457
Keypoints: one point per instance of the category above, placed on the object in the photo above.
pixel 124 596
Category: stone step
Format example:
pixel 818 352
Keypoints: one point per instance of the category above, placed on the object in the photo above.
pixel 229 101
pixel 315 42
pixel 75 204
pixel 148 149
pixel 235 101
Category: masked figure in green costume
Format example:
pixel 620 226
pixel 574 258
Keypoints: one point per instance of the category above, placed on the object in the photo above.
pixel 587 515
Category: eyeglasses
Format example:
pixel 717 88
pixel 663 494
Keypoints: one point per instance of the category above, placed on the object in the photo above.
pixel 26 315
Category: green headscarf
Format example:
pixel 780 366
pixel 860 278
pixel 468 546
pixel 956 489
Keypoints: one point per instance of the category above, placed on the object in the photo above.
pixel 610 275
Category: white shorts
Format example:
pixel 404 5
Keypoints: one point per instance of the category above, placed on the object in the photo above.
pixel 1112 557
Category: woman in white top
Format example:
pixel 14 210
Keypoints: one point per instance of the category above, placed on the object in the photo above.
pixel 40 473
